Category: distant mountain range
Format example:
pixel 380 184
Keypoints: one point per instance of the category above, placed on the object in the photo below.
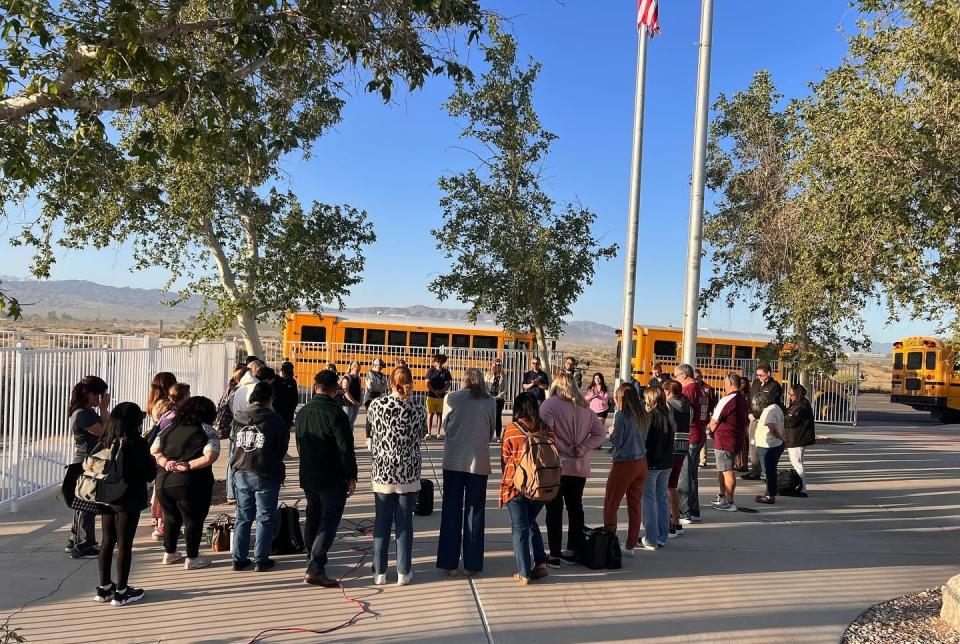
pixel 84 300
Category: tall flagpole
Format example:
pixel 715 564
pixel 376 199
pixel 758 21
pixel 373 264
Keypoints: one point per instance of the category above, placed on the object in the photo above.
pixel 625 371
pixel 695 238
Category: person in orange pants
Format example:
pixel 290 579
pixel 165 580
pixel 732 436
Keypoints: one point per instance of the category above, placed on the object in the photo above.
pixel 629 469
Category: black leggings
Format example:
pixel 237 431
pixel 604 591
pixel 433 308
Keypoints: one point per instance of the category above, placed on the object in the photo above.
pixel 571 495
pixel 185 506
pixel 119 529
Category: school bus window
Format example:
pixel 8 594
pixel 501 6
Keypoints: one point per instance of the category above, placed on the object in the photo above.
pixel 418 338
pixel 313 334
pixel 523 345
pixel 461 341
pixel 352 335
pixel 397 338
pixel 665 349
pixel 898 361
pixel 723 351
pixel 931 361
pixel 914 360
pixel 704 350
pixel 438 340
pixel 743 353
pixel 484 342
pixel 376 337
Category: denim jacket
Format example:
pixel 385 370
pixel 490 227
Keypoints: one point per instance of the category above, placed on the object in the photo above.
pixel 628 440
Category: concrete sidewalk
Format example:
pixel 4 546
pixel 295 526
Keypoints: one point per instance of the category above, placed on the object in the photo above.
pixel 881 521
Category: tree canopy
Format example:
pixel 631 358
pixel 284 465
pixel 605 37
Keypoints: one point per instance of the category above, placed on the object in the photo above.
pixel 513 251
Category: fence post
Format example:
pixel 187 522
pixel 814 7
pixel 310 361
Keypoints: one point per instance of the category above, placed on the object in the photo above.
pixel 17 427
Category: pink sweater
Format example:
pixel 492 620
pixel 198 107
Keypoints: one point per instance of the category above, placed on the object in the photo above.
pixel 599 400
pixel 577 431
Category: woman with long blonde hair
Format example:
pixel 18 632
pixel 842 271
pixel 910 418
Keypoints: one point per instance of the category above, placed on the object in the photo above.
pixel 659 444
pixel 397 425
pixel 629 469
pixel 577 431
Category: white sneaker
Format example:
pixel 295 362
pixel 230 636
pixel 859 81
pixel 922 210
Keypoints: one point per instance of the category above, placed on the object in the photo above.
pixel 368 444
pixel 646 546
pixel 379 580
pixel 196 563
pixel 628 552
pixel 171 558
pixel 157 535
pixel 729 507
pixel 405 580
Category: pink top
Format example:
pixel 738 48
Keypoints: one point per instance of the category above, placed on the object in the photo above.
pixel 577 431
pixel 599 400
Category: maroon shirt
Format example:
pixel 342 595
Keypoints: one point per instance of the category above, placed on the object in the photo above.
pixel 731 430
pixel 699 399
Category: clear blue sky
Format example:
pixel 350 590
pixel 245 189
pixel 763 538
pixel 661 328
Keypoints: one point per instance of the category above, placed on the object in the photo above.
pixel 386 159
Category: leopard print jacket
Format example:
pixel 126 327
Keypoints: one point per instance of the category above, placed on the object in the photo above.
pixel 396 428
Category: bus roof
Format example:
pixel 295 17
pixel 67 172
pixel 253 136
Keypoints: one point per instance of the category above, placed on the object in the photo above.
pixel 408 320
pixel 712 334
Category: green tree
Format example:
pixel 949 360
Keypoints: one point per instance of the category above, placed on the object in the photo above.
pixel 64 64
pixel 9 306
pixel 513 252
pixel 768 245
pixel 883 158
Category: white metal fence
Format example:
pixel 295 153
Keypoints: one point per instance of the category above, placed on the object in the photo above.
pixel 44 340
pixel 310 357
pixel 35 384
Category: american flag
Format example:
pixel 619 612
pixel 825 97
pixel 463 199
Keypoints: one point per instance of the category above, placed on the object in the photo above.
pixel 648 15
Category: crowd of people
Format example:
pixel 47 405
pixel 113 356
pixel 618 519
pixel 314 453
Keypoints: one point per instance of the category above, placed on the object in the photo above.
pixel 656 442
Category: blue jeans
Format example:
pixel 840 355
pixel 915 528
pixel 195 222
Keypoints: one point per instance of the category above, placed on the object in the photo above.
pixel 255 497
pixel 231 492
pixel 351 412
pixel 393 509
pixel 689 487
pixel 464 502
pixel 526 534
pixel 656 510
pixel 770 456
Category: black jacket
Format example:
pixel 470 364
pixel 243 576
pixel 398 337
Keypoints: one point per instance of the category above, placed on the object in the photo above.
pixel 325 444
pixel 139 468
pixel 286 397
pixel 799 430
pixel 773 388
pixel 261 437
pixel 659 444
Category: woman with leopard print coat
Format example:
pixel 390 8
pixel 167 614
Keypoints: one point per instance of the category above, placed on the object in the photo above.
pixel 397 425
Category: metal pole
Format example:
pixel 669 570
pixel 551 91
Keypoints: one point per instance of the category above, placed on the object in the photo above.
pixel 695 237
pixel 625 371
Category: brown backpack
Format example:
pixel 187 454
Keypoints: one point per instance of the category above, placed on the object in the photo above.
pixel 537 474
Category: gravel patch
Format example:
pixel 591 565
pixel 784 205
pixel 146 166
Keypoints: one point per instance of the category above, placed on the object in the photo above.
pixel 911 619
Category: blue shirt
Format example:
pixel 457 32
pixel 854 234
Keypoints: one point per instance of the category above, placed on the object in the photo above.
pixel 628 440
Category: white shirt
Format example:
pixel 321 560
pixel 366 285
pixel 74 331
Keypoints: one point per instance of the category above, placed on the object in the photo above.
pixel 772 415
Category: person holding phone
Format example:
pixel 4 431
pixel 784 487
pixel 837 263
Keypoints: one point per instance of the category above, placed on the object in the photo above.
pixel 88 410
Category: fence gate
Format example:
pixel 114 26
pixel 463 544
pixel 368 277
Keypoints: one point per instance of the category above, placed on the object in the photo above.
pixel 833 396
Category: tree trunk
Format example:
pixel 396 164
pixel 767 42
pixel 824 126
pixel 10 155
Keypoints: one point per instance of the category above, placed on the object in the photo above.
pixel 251 335
pixel 542 346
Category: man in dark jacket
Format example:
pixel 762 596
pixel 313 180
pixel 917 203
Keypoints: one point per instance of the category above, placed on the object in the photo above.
pixel 260 439
pixel 287 393
pixel 764 383
pixel 328 472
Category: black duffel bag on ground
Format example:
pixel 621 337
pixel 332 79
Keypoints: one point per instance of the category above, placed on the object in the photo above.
pixel 789 483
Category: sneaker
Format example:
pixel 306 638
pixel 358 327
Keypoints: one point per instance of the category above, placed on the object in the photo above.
pixel 647 546
pixel 672 534
pixel 718 501
pixel 380 580
pixel 86 553
pixel 241 565
pixel 105 593
pixel 368 444
pixel 126 596
pixel 661 545
pixel 679 529
pixel 264 565
pixel 729 507
pixel 405 580
pixel 553 562
pixel 196 563
pixel 568 557
pixel 750 476
pixel 628 552
pixel 156 535
pixel 171 558
pixel 695 518
pixel 685 520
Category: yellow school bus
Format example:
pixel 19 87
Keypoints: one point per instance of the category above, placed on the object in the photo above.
pixel 310 342
pixel 926 376
pixel 718 352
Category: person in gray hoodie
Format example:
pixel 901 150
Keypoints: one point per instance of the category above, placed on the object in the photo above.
pixel 261 438
pixel 238 403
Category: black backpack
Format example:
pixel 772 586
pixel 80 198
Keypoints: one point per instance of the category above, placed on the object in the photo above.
pixel 223 423
pixel 789 483
pixel 287 536
pixel 423 506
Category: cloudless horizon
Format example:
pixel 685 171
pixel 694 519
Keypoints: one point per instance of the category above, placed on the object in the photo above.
pixel 386 159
